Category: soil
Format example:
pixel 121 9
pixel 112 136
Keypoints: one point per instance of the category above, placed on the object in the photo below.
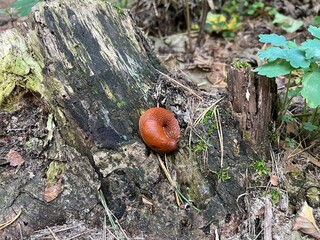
pixel 293 175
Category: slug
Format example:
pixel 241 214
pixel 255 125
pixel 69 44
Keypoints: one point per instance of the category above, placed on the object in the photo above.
pixel 159 130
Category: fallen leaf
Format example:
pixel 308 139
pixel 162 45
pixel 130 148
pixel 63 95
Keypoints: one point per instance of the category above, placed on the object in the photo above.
pixel 147 203
pixel 14 158
pixel 51 192
pixel 305 222
pixel 274 180
pixel 313 160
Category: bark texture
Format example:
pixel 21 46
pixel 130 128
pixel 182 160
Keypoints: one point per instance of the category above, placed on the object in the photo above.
pixel 89 71
pixel 253 100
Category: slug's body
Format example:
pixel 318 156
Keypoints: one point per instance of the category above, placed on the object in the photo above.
pixel 160 130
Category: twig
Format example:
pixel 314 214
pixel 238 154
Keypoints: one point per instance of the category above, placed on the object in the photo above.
pixel 201 116
pixel 267 219
pixel 6 224
pixel 180 84
pixel 181 197
pixel 220 133
pixel 53 234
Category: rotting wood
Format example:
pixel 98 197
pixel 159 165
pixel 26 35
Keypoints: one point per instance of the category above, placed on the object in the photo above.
pixel 253 100
pixel 98 71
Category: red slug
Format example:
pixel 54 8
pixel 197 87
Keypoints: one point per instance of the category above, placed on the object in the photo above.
pixel 159 130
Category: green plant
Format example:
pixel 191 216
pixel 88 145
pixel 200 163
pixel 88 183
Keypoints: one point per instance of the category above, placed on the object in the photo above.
pixel 243 6
pixel 222 174
pixel 117 230
pixel 290 142
pixel 299 61
pixel 220 24
pixel 272 135
pixel 201 145
pixel 240 64
pixel 120 3
pixel 24 6
pixel 275 196
pixel 260 167
pixel 287 23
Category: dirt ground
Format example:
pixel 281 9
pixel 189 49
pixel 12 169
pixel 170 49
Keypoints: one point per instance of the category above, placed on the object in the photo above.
pixel 277 197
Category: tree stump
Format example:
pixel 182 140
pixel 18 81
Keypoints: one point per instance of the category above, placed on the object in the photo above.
pixel 72 91
pixel 253 99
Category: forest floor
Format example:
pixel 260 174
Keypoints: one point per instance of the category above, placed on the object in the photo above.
pixel 293 171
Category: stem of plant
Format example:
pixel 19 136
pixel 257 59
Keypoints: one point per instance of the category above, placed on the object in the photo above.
pixel 189 26
pixel 314 114
pixel 304 119
pixel 286 102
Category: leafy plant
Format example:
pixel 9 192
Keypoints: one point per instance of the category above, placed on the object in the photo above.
pixel 24 6
pixel 219 23
pixel 240 64
pixel 290 142
pixel 275 195
pixel 243 6
pixel 201 146
pixel 289 58
pixel 222 174
pixel 287 23
pixel 260 167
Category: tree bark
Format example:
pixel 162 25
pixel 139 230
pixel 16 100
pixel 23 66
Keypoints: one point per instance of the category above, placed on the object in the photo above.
pixel 253 100
pixel 89 71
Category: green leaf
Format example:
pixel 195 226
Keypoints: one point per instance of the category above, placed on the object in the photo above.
pixel 287 23
pixel 311 86
pixel 312 49
pixel 311 43
pixel 275 68
pixel 292 44
pixel 24 6
pixel 315 31
pixel 313 55
pixel 296 57
pixel 294 92
pixel 287 118
pixel 290 142
pixel 274 39
pixel 316 20
pixel 271 53
pixel 309 126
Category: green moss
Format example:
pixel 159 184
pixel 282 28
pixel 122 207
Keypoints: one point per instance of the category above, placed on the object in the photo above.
pixel 14 63
pixel 55 169
pixel 7 84
pixel 246 136
pixel 109 93
pixel 121 104
pixel 17 66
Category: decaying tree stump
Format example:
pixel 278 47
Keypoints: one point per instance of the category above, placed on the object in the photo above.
pixel 75 87
pixel 253 100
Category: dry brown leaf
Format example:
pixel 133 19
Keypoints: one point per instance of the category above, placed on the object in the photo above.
pixel 291 128
pixel 147 203
pixel 52 192
pixel 14 158
pixel 305 222
pixel 274 180
pixel 289 165
pixel 313 160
